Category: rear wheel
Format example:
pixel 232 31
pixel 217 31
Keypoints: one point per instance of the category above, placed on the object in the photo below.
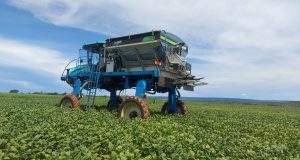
pixel 134 107
pixel 69 101
pixel 180 106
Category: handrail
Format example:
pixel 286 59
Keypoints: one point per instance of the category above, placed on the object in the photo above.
pixel 79 62
pixel 67 66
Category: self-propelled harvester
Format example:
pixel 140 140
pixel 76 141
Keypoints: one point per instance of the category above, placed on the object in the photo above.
pixel 151 62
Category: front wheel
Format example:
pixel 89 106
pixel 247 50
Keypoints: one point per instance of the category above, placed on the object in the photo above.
pixel 134 107
pixel 69 101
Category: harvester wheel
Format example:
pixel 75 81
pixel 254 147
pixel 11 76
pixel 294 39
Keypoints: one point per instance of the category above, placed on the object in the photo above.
pixel 119 102
pixel 70 101
pixel 164 108
pixel 180 106
pixel 134 107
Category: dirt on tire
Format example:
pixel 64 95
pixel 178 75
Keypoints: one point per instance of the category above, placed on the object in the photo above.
pixel 143 106
pixel 180 106
pixel 72 99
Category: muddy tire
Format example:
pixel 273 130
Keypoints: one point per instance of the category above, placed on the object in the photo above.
pixel 134 107
pixel 69 101
pixel 180 106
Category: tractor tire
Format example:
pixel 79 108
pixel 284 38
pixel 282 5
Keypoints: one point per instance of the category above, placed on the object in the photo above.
pixel 70 101
pixel 180 106
pixel 164 108
pixel 119 102
pixel 134 107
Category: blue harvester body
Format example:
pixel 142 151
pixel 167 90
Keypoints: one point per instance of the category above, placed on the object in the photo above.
pixel 151 62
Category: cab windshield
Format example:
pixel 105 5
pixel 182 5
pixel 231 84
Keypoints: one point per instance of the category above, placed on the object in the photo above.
pixel 174 44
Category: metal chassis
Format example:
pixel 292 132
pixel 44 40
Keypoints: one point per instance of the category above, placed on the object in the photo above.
pixel 141 86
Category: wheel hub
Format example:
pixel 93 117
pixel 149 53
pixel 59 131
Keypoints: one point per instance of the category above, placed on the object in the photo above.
pixel 131 110
pixel 133 115
pixel 134 107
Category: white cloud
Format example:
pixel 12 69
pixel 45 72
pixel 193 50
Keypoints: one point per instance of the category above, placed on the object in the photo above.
pixel 38 59
pixel 248 45
pixel 27 85
pixel 18 57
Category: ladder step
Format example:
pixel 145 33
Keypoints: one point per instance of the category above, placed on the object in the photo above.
pixel 92 87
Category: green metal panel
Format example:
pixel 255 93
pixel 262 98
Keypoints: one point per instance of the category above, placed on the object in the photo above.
pixel 148 38
pixel 165 38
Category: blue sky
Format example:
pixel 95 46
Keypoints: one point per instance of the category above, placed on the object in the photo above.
pixel 244 49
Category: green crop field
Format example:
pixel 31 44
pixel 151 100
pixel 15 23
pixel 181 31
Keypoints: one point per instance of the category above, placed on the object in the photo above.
pixel 32 127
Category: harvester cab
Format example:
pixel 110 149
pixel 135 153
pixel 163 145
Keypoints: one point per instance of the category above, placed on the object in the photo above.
pixel 151 62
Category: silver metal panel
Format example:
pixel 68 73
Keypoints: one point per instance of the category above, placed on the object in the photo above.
pixel 129 47
pixel 188 88
pixel 110 67
pixel 136 68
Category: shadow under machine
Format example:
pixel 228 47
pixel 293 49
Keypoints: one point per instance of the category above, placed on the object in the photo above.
pixel 151 62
